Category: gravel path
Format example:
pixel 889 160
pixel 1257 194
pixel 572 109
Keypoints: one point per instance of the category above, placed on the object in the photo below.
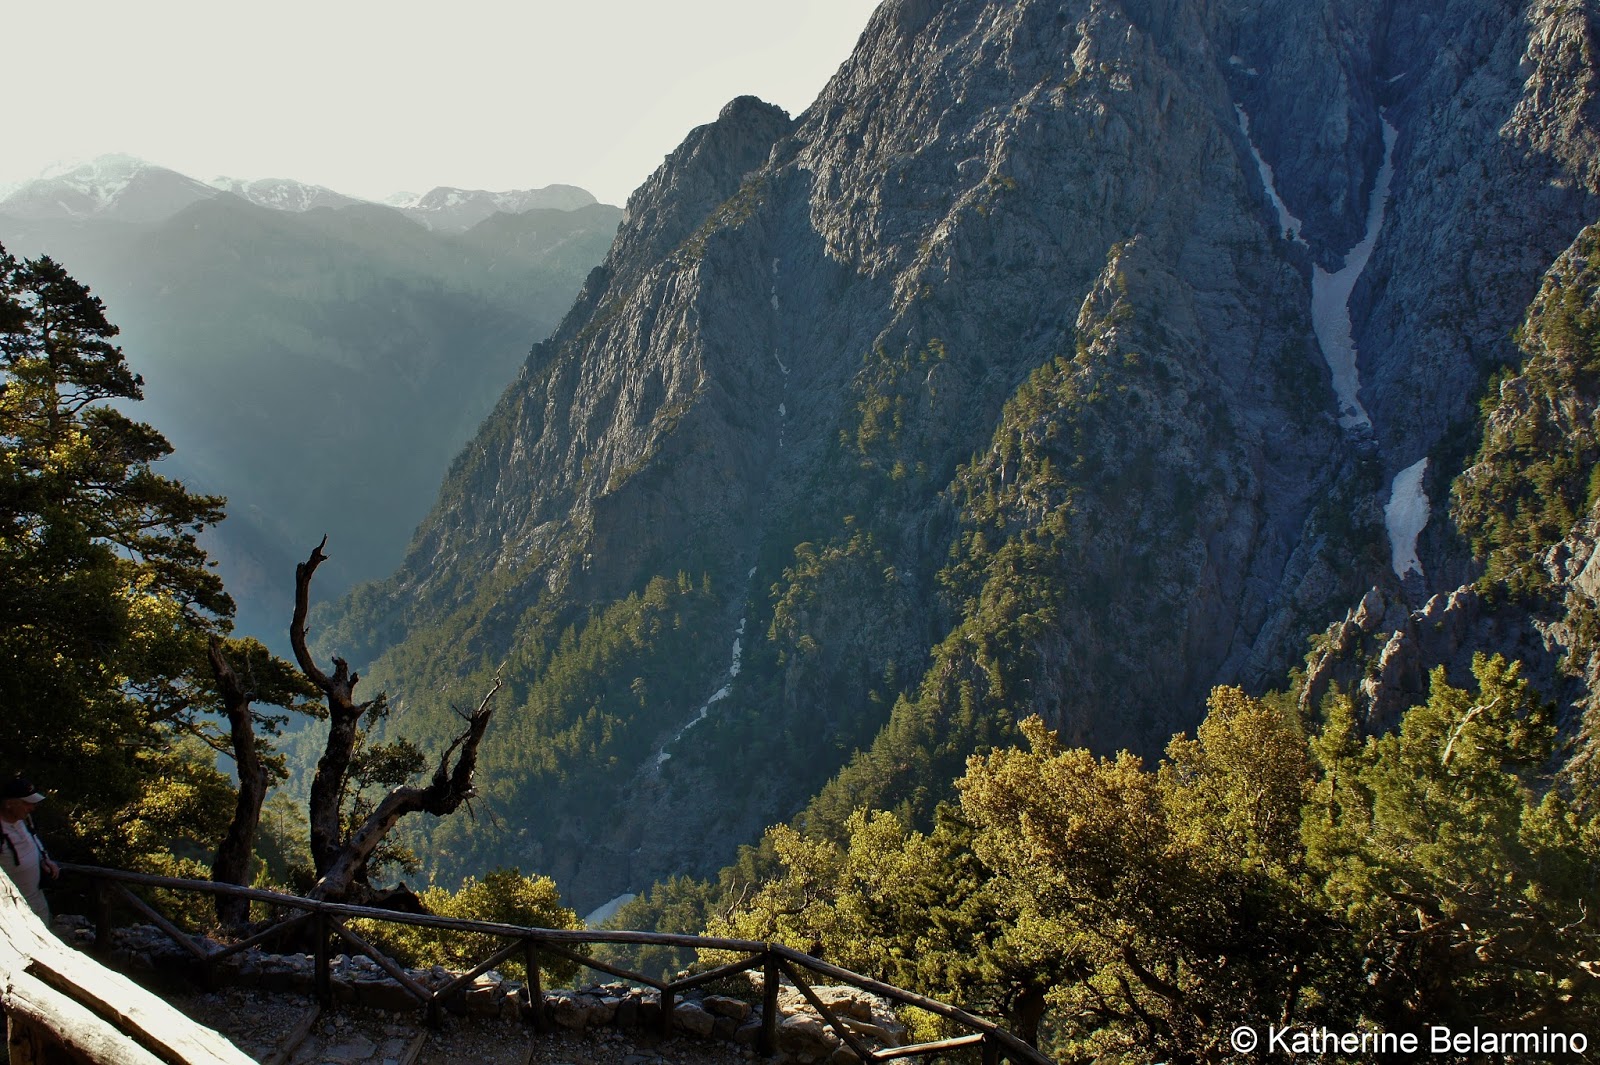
pixel 260 1022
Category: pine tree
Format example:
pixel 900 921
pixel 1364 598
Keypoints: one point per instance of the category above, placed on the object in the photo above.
pixel 106 598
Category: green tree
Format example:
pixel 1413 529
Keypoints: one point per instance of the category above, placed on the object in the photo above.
pixel 106 598
pixel 920 910
pixel 1452 859
pixel 1178 892
pixel 503 896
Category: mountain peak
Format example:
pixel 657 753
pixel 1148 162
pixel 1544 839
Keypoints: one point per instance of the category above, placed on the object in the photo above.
pixel 453 209
pixel 282 194
pixel 121 187
pixel 125 188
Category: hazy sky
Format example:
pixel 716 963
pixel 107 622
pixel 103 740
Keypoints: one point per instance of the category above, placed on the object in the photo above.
pixel 371 98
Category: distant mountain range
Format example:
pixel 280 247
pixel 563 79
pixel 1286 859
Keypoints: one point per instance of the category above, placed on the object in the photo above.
pixel 124 188
pixel 315 358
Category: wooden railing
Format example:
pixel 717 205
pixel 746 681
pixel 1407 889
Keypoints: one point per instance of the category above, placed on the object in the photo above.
pixel 327 922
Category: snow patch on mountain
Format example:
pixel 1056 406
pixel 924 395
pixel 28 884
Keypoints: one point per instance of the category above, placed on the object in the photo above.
pixel 1330 298
pixel 1405 516
pixel 1288 224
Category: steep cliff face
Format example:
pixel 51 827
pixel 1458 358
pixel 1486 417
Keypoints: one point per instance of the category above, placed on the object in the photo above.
pixel 1060 358
pixel 1525 507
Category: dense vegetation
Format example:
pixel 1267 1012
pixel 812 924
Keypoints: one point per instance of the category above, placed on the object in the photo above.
pixel 1534 473
pixel 581 703
pixel 1268 871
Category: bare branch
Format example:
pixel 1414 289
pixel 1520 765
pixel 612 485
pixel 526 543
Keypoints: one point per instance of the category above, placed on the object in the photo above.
pixel 450 787
pixel 1449 748
pixel 303 573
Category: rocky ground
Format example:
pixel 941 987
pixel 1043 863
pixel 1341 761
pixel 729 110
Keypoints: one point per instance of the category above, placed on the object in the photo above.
pixel 265 1023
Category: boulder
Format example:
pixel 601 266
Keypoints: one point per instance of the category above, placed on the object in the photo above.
pixel 692 1018
pixel 726 1006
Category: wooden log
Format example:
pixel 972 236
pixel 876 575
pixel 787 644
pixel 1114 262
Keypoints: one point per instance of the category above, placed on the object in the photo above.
pixel 102 916
pixel 414 1051
pixel 262 936
pixel 668 1005
pixel 711 976
pixel 290 1043
pixel 769 1004
pixel 560 936
pixel 205 887
pixel 938 1047
pixel 89 1008
pixel 174 933
pixel 530 959
pixel 45 1027
pixel 600 966
pixel 478 970
pixel 562 943
pixel 384 962
pixel 1014 1048
pixel 323 960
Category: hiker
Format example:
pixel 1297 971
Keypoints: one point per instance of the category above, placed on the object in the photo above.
pixel 23 855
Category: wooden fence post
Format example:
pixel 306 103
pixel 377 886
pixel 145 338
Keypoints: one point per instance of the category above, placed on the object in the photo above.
pixel 668 1002
pixel 991 1050
pixel 769 1003
pixel 102 917
pixel 324 961
pixel 535 988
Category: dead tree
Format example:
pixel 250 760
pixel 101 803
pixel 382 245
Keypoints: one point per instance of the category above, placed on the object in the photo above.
pixel 340 862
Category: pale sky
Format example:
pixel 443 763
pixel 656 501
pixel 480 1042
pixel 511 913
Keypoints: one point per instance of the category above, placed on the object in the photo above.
pixel 370 98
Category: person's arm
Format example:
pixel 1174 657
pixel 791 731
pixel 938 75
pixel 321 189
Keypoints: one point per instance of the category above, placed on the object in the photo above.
pixel 47 864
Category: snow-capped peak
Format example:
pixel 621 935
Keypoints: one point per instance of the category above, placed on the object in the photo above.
pixel 282 194
pixel 122 187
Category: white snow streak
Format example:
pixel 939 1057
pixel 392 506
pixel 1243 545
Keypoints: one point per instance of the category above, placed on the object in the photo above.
pixel 1405 516
pixel 716 697
pixel 1288 224
pixel 1330 298
pixel 783 408
pixel 1330 293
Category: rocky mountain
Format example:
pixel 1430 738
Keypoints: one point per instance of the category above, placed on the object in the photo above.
pixel 1064 357
pixel 314 358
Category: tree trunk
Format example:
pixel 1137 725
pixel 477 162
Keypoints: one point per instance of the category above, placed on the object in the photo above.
pixel 451 786
pixel 232 864
pixel 344 717
pixel 341 864
pixel 1027 1011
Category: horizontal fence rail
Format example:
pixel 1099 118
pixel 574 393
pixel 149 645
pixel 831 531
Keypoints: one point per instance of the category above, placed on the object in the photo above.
pixel 326 923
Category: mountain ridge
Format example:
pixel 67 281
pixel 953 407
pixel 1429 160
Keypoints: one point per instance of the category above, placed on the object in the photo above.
pixel 126 188
pixel 319 367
